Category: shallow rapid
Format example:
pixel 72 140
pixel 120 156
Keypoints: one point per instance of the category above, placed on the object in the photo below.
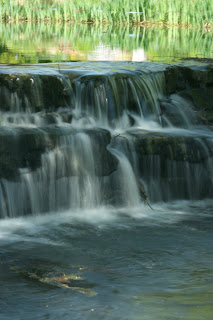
pixel 106 188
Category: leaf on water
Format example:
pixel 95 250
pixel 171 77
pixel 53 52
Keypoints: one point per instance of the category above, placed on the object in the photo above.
pixel 71 281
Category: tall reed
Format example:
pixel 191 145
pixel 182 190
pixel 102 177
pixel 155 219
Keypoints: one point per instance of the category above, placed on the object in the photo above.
pixel 175 12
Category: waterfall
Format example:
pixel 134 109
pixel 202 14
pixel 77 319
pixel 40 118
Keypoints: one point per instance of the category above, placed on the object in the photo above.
pixel 88 136
pixel 125 181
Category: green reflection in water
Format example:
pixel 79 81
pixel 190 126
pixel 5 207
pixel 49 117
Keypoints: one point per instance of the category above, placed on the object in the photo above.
pixel 191 300
pixel 32 43
pixel 193 306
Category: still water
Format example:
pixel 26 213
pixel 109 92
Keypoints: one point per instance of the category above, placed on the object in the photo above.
pixel 32 43
pixel 109 264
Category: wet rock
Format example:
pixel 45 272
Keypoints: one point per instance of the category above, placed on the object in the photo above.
pixel 194 83
pixel 174 80
pixel 106 163
pixel 171 162
pixel 49 118
pixel 202 99
pixel 173 147
pixel 19 148
pixel 66 115
pixel 173 166
pixel 33 92
pixel 23 148
pixel 16 92
pixel 179 110
pixel 54 92
pixel 182 77
pixel 112 92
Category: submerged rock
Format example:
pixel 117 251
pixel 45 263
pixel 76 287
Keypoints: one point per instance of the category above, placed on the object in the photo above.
pixel 68 281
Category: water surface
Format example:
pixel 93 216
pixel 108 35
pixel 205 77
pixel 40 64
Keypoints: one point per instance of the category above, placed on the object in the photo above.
pixel 105 263
pixel 32 43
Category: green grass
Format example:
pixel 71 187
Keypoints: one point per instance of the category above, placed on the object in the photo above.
pixel 172 12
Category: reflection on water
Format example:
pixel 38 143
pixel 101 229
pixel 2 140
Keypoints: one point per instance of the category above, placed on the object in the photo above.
pixel 32 43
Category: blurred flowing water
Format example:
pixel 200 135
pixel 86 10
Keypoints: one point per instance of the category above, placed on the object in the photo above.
pixel 109 263
pixel 108 211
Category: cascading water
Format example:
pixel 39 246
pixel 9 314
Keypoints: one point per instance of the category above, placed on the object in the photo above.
pixel 80 138
pixel 106 170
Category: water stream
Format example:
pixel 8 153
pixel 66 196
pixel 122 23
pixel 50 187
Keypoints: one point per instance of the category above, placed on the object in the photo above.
pixel 106 195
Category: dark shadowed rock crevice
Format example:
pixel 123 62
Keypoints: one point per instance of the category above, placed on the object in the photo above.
pixel 194 83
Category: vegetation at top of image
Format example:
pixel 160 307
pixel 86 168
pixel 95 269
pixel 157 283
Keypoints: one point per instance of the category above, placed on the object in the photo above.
pixel 175 12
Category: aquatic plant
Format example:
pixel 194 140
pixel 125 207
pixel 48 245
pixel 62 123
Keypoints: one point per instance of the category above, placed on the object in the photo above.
pixel 176 12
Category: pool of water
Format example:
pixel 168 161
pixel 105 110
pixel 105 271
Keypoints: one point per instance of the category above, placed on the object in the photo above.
pixel 33 43
pixel 107 263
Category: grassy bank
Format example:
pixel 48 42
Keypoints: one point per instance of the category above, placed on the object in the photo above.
pixel 175 12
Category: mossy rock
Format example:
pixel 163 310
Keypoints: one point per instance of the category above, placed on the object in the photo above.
pixel 175 148
pixel 182 77
pixel 24 92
